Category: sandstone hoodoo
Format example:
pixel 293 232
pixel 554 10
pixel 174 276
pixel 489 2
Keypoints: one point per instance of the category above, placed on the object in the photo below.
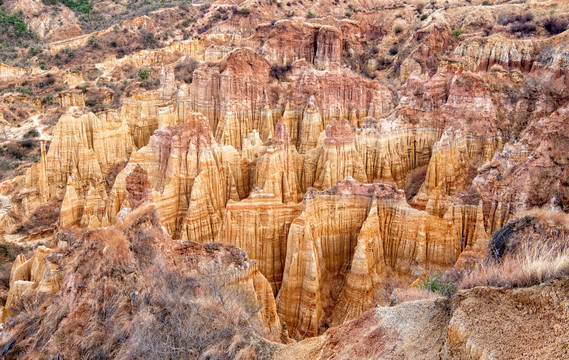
pixel 287 180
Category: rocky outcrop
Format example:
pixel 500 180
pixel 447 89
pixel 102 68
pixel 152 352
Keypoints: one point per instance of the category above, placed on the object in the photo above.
pixel 342 153
pixel 543 57
pixel 311 126
pixel 527 174
pixel 467 337
pixel 257 103
pixel 464 327
pixel 452 168
pixel 31 280
pixel 260 225
pixel 412 331
pixel 8 72
pixel 277 169
pixel 390 156
pixel 482 54
pixel 335 160
pixel 87 147
pixel 287 40
pixel 232 95
pixel 328 47
pixel 334 268
pixel 191 183
pixel 71 98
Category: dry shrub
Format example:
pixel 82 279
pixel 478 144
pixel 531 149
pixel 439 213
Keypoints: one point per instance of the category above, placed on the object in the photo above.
pixel 531 266
pixel 138 187
pixel 414 181
pixel 184 70
pixel 525 252
pixel 42 218
pixel 116 249
pixel 173 323
pixel 280 72
pixel 555 25
pixel 111 175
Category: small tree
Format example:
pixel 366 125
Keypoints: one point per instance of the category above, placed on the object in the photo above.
pixel 92 42
pixel 143 74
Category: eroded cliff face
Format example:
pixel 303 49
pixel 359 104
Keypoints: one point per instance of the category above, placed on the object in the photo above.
pixel 334 268
pixel 342 154
pixel 191 183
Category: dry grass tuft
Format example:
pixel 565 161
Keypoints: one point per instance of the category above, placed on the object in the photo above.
pixel 532 263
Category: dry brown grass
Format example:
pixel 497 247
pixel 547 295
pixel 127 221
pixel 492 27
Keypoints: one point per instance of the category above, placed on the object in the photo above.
pixel 42 218
pixel 532 263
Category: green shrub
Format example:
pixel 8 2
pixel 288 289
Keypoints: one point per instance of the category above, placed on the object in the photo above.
pixel 486 3
pixel 32 133
pixel 17 42
pixel 439 285
pixel 81 6
pixel 143 74
pixel 310 15
pixel 348 14
pixel 92 42
pixel 279 71
pixel 456 33
pixel 14 21
pixel 48 100
pixel 28 144
pixel 70 54
pixel 149 39
pixel 244 11
pixel 184 70
pixel 4 248
pixel 398 30
pixel 24 90
pixel 15 151
pixel 33 51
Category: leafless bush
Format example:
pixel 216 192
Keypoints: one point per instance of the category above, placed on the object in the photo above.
pixel 175 324
pixel 555 25
pixel 111 175
pixel 42 218
pixel 279 71
pixel 184 71
pixel 138 187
